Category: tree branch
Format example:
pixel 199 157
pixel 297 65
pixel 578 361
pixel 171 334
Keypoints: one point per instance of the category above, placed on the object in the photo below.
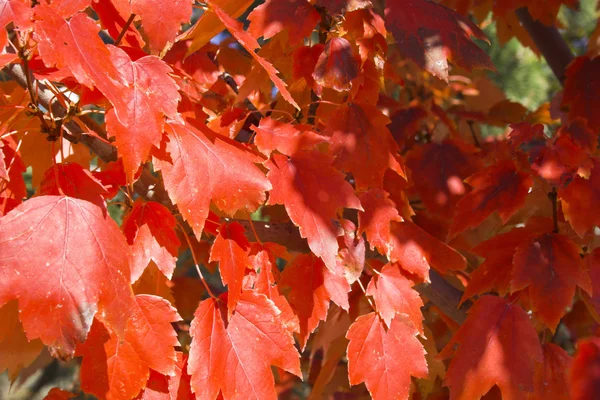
pixel 106 151
pixel 549 42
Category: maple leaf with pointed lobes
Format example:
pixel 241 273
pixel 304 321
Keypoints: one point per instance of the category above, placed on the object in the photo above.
pixel 336 66
pixel 230 249
pixel 359 137
pixel 17 351
pixel 496 345
pixel 312 192
pixel 416 250
pixel 592 262
pixel 14 185
pixel 114 23
pixel 150 96
pixel 312 287
pixel 385 359
pixel 161 19
pixel 149 343
pixel 73 181
pixel 524 132
pixel 580 201
pixel 403 241
pixel 551 268
pixel 221 359
pixel 284 137
pixel 298 17
pixel 438 171
pixel 351 257
pixel 165 387
pixel 16 11
pixel 581 135
pixel 250 44
pixel 205 166
pixel 551 377
pixel 495 273
pixel 150 229
pixel 393 294
pixel 582 88
pixel 75 45
pixel 84 263
pixel 305 59
pixel 379 212
pixel 500 187
pixel 266 284
pixel 429 34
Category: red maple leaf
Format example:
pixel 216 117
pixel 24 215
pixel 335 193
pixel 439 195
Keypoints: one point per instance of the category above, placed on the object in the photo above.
pixel 579 201
pixel 250 44
pixel 166 387
pixel 429 34
pixel 149 343
pixel 312 287
pixel 284 137
pixel 496 345
pixel 336 66
pixel 393 294
pixel 205 167
pixel 550 266
pixel 360 138
pixel 551 376
pixel 438 171
pixel 582 86
pixel 298 17
pixel 151 94
pixel 230 249
pixel 84 263
pixel 73 181
pixel 385 359
pixel 161 19
pixel 221 359
pixel 150 229
pixel 312 192
pixel 500 187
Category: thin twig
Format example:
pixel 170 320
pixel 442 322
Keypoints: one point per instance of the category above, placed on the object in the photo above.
pixel 475 140
pixel 553 196
pixel 210 293
pixel 124 30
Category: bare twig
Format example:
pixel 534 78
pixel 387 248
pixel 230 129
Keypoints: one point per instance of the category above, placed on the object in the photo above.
pixel 124 30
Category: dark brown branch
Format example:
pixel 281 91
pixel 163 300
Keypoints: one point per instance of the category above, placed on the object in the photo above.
pixel 124 30
pixel 549 42
pixel 74 133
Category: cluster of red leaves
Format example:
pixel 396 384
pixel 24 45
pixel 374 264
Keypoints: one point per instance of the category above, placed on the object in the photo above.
pixel 331 126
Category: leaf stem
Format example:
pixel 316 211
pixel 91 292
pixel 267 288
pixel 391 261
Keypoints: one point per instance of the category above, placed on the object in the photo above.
pixel 187 239
pixel 367 297
pixel 553 196
pixel 254 230
pixel 475 140
pixel 55 168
